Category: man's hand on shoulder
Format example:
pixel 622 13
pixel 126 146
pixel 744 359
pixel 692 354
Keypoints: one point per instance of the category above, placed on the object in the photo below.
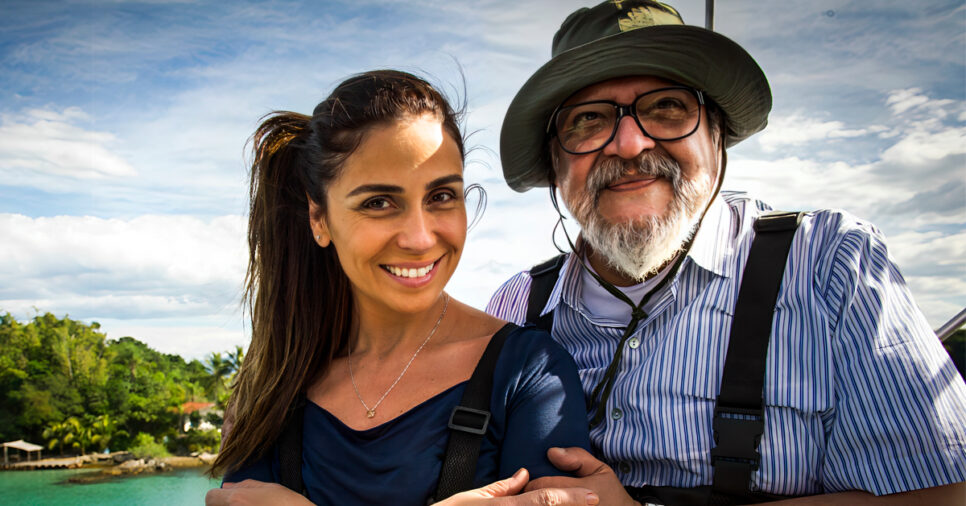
pixel 591 474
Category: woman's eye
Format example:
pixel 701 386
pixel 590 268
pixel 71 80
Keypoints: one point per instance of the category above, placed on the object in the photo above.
pixel 377 203
pixel 442 197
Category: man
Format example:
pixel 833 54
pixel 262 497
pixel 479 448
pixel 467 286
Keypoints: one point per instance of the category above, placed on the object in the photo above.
pixel 629 120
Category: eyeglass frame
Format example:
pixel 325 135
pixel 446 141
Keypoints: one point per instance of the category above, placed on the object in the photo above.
pixel 624 110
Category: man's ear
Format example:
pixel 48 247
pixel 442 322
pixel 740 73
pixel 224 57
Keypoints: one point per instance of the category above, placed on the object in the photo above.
pixel 320 230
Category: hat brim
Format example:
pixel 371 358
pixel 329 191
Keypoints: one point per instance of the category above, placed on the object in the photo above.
pixel 688 55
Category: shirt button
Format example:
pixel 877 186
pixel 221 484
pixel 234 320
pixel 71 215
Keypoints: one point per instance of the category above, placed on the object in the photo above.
pixel 634 342
pixel 616 414
pixel 625 467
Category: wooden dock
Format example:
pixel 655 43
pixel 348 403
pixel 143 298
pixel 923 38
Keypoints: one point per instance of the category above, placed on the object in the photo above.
pixel 31 465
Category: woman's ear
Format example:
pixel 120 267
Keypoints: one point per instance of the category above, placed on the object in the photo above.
pixel 317 222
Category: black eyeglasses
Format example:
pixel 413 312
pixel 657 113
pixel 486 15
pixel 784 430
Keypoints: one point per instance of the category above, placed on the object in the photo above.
pixel 664 114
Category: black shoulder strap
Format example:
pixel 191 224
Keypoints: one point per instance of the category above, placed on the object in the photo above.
pixel 543 278
pixel 290 448
pixel 469 421
pixel 739 414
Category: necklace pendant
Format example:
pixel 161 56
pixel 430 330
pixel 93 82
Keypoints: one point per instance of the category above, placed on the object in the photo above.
pixel 370 413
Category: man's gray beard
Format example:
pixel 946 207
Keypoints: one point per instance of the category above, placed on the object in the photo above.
pixel 640 248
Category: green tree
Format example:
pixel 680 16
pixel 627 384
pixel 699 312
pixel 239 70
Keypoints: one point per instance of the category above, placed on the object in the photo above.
pixel 62 381
pixel 61 434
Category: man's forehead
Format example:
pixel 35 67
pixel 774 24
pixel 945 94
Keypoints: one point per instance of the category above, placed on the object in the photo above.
pixel 620 89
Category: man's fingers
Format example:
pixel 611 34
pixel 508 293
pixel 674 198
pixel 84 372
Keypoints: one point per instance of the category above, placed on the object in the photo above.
pixel 576 460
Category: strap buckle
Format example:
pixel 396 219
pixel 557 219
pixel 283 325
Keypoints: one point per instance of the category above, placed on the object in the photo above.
pixel 777 221
pixel 473 421
pixel 737 433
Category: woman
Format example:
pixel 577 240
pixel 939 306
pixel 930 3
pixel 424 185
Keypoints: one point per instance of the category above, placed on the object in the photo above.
pixel 357 222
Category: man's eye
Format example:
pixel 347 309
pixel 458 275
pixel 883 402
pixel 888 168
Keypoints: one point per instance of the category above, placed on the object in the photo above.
pixel 669 103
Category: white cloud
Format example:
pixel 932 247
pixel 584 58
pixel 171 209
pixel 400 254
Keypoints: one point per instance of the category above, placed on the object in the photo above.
pixel 934 265
pixel 149 266
pixel 798 129
pixel 190 338
pixel 902 100
pixel 923 145
pixel 48 143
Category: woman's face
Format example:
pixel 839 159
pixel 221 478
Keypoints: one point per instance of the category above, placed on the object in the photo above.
pixel 396 215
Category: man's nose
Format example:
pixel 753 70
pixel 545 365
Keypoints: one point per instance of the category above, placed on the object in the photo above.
pixel 629 141
pixel 417 233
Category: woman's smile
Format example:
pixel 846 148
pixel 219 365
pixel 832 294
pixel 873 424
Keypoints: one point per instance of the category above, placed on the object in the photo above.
pixel 412 274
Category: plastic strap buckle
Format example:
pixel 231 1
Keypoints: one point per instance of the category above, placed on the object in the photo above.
pixel 473 421
pixel 737 436
pixel 777 221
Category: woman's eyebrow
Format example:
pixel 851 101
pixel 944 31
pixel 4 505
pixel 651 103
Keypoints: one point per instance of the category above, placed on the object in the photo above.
pixel 440 181
pixel 375 188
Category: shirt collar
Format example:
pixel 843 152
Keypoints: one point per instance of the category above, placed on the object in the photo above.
pixel 712 249
pixel 714 242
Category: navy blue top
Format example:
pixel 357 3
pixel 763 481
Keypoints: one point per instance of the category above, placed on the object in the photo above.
pixel 537 402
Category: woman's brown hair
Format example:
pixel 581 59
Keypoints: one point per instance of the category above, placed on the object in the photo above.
pixel 297 295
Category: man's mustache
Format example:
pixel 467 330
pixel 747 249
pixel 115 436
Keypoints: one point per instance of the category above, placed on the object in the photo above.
pixel 609 170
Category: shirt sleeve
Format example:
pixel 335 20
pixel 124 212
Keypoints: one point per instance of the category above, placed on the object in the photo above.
pixel 544 405
pixel 264 469
pixel 897 423
pixel 509 302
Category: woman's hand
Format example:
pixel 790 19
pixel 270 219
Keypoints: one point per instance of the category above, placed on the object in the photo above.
pixel 503 493
pixel 252 492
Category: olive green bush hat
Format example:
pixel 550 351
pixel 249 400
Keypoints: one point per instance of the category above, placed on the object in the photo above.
pixel 626 38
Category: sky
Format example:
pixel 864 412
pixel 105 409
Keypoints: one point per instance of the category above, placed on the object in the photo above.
pixel 123 129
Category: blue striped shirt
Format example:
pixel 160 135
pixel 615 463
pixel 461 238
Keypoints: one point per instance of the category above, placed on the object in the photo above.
pixel 859 392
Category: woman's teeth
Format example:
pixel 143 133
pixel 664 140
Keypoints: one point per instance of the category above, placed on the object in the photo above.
pixel 410 273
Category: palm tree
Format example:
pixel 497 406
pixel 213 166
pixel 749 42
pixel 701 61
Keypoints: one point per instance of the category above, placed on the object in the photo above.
pixel 235 358
pixel 63 434
pixel 219 369
pixel 103 428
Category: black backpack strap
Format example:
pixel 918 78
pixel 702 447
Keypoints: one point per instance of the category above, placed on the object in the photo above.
pixel 290 448
pixel 543 278
pixel 739 414
pixel 468 423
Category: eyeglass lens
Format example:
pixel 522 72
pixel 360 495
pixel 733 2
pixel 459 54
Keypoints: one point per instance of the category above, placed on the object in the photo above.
pixel 664 114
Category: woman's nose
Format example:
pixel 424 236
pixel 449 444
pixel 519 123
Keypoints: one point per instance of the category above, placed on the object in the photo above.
pixel 417 231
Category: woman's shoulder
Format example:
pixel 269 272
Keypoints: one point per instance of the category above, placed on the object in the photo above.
pixel 533 351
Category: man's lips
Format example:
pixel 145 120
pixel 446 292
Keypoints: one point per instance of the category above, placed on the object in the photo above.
pixel 631 183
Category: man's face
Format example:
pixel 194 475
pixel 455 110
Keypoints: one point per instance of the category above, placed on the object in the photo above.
pixel 637 199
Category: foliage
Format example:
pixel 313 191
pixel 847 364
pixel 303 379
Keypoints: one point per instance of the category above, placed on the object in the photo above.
pixel 221 373
pixel 145 446
pixel 196 440
pixel 63 382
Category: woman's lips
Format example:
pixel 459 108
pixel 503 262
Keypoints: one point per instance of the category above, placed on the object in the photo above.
pixel 631 184
pixel 412 274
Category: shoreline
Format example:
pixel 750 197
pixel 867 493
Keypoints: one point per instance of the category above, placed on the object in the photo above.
pixel 114 465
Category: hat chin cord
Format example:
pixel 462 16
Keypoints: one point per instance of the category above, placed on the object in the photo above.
pixel 604 387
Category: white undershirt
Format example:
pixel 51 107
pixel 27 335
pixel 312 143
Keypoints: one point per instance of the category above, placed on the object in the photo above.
pixel 597 301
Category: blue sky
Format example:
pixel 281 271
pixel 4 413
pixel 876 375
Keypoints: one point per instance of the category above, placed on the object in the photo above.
pixel 123 127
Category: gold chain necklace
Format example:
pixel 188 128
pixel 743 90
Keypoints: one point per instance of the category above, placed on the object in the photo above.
pixel 371 412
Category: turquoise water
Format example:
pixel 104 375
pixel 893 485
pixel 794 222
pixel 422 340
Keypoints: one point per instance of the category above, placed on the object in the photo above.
pixel 50 488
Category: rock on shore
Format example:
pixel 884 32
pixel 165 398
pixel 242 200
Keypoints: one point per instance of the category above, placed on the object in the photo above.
pixel 130 466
